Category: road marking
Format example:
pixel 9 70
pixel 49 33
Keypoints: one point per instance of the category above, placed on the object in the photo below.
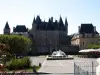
pixel 59 63
pixel 44 62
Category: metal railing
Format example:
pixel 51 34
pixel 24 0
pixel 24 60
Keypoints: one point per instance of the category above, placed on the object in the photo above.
pixel 85 68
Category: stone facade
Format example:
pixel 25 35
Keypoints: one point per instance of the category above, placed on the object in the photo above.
pixel 84 39
pixel 49 39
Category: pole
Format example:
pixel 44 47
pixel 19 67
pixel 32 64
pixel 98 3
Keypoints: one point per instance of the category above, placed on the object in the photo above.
pixel 74 68
pixel 92 68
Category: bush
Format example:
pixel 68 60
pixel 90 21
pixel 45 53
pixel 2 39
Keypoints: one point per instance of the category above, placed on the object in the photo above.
pixel 94 46
pixel 15 44
pixel 16 64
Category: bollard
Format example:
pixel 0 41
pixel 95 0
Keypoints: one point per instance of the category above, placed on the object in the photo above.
pixel 34 68
pixel 98 67
pixel 40 64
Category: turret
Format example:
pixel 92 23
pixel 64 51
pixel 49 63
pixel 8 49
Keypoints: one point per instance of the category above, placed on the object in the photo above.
pixel 52 19
pixel 56 26
pixel 34 20
pixel 66 26
pixel 38 20
pixel 61 24
pixel 49 25
pixel 6 28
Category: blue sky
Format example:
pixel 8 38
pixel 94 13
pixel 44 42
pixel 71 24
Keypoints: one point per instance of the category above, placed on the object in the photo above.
pixel 18 12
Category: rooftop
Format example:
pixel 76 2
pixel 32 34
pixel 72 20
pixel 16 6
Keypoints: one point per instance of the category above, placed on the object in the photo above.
pixel 20 28
pixel 7 26
pixel 87 28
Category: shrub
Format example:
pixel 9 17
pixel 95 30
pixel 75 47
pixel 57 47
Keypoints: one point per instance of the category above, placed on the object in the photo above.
pixel 94 46
pixel 16 64
pixel 15 44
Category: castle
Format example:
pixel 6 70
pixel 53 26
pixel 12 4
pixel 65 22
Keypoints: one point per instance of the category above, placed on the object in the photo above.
pixel 53 35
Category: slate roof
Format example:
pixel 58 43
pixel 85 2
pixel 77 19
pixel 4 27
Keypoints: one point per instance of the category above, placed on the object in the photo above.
pixel 87 28
pixel 7 26
pixel 20 28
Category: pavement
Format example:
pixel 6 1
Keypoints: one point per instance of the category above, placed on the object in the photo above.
pixel 59 66
pixel 37 59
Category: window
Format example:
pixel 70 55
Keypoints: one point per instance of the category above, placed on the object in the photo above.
pixel 20 34
pixel 92 42
pixel 83 43
pixel 87 35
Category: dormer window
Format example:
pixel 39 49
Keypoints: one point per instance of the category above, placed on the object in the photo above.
pixel 83 43
pixel 87 35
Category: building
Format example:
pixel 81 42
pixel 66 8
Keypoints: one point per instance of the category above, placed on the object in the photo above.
pixel 46 36
pixel 86 35
pixel 20 30
pixel 51 35
pixel 7 29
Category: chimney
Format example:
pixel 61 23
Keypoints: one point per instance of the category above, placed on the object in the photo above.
pixel 94 28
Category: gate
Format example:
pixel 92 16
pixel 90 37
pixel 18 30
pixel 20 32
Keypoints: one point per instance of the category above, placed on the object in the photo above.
pixel 85 68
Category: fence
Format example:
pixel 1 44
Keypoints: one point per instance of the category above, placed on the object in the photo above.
pixel 85 68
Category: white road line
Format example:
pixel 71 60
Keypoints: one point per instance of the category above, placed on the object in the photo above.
pixel 60 63
pixel 44 62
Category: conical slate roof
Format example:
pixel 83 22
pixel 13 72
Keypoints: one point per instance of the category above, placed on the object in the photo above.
pixel 7 26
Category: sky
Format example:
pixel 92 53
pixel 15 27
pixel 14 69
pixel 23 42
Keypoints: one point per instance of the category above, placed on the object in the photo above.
pixel 22 12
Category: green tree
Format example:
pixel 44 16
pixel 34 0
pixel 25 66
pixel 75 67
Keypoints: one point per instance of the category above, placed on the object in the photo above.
pixel 17 44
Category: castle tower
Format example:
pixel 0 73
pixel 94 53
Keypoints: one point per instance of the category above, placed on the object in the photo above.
pixel 6 28
pixel 66 26
pixel 34 21
pixel 61 24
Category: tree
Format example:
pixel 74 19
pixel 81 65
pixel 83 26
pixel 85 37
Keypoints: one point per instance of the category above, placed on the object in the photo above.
pixel 17 44
pixel 4 49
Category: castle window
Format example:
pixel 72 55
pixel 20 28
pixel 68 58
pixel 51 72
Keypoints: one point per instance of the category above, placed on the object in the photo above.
pixel 83 43
pixel 87 35
pixel 92 42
